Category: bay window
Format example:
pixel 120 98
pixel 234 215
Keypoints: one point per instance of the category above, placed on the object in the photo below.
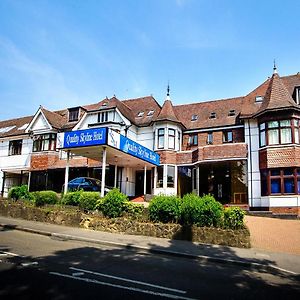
pixel 279 132
pixel 280 181
pixel 44 142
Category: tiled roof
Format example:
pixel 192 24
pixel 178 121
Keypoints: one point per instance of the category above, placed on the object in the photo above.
pixel 12 127
pixel 144 109
pixel 203 111
pixel 167 113
pixel 56 120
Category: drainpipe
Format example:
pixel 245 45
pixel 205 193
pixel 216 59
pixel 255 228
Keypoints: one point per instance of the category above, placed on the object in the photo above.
pixel 103 172
pixel 3 184
pixel 250 160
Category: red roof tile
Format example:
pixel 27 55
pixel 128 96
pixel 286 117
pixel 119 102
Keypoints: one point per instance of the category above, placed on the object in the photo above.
pixel 167 113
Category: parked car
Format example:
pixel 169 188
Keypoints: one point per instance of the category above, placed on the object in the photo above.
pixel 87 184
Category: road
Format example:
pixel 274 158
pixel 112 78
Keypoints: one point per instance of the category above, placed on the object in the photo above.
pixel 39 267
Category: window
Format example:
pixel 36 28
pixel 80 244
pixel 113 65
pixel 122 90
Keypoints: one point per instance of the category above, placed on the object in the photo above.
pixel 170 176
pixel 44 142
pixel 213 115
pixel 161 138
pixel 140 114
pixel 171 138
pixel 280 181
pixel 194 118
pixel 297 95
pixel 231 113
pixel 15 147
pixel 102 117
pixel 193 140
pixel 150 113
pixel 259 99
pixel 278 132
pixel 160 177
pixel 227 136
pixel 209 138
pixel 179 141
pixel 73 114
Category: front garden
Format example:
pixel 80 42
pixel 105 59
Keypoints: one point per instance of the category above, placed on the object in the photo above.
pixel 199 219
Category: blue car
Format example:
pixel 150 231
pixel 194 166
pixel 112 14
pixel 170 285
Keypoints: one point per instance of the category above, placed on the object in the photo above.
pixel 87 184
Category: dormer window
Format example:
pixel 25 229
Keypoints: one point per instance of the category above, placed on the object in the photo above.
pixel 150 113
pixel 140 114
pixel 297 95
pixel 259 99
pixel 73 114
pixel 194 118
pixel 213 115
pixel 231 113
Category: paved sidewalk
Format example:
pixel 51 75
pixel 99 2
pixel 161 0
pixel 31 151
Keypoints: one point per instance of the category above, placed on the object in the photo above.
pixel 250 258
pixel 273 234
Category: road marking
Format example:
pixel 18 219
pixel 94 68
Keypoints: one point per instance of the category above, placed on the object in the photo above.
pixel 284 270
pixel 3 253
pixel 29 264
pixel 122 287
pixel 78 274
pixel 130 280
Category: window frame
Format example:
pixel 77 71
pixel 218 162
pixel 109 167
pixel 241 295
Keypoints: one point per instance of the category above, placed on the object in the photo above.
pixel 73 114
pixel 160 137
pixel 40 142
pixel 193 140
pixel 280 174
pixel 171 138
pixel 15 147
pixel 226 135
pixel 210 138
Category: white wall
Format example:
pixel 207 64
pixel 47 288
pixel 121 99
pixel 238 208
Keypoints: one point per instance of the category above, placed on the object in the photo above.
pixel 280 201
pixel 145 137
pixel 252 140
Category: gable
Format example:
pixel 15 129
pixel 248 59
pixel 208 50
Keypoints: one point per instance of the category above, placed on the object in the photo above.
pixel 39 123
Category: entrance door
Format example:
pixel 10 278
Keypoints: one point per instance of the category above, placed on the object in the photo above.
pixel 139 183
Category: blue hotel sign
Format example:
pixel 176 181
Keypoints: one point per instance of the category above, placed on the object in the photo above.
pixel 137 150
pixel 105 136
pixel 87 137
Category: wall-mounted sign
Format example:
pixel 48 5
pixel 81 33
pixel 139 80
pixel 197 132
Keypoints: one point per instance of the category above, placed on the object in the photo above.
pixel 137 150
pixel 113 138
pixel 82 138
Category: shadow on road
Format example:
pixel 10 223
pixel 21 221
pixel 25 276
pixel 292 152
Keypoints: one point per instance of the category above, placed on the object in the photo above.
pixel 201 279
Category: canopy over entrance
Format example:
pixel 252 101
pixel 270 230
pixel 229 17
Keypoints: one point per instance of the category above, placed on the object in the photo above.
pixel 106 145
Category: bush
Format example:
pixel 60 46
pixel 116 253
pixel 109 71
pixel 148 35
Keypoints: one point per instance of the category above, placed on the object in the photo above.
pixel 113 204
pixel 212 212
pixel 71 198
pixel 88 200
pixel 234 218
pixel 19 192
pixel 201 211
pixel 45 197
pixel 134 210
pixel 165 209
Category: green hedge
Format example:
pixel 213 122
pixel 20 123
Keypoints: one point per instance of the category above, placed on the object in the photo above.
pixel 19 192
pixel 44 197
pixel 71 198
pixel 113 204
pixel 166 209
pixel 234 218
pixel 88 200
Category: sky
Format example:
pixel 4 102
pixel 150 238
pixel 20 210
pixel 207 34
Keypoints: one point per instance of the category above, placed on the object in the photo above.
pixel 62 53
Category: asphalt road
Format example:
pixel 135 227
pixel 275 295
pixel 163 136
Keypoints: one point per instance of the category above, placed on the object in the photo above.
pixel 38 267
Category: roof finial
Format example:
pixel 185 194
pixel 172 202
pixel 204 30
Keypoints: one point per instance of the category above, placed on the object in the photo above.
pixel 274 68
pixel 168 90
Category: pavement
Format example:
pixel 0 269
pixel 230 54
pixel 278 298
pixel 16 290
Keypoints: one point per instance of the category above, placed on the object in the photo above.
pixel 273 234
pixel 257 259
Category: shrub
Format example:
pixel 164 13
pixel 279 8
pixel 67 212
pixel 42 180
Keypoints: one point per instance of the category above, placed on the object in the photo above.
pixel 234 218
pixel 113 204
pixel 211 213
pixel 45 197
pixel 201 211
pixel 88 200
pixel 134 210
pixel 71 198
pixel 165 209
pixel 191 209
pixel 19 192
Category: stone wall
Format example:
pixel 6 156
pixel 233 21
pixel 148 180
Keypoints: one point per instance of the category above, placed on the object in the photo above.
pixel 77 218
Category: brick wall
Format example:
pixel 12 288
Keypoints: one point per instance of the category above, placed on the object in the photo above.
pixel 279 157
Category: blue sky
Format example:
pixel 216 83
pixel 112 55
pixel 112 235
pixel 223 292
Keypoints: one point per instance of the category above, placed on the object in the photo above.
pixel 66 53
